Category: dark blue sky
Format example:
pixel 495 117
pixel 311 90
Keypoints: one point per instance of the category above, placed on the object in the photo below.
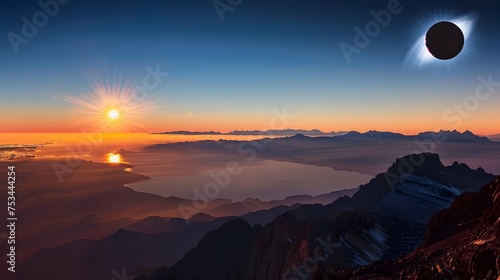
pixel 263 55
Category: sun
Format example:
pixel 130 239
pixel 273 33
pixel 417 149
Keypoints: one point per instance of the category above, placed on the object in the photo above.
pixel 109 108
pixel 114 158
pixel 113 114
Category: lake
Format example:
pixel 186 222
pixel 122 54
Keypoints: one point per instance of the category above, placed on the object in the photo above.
pixel 185 175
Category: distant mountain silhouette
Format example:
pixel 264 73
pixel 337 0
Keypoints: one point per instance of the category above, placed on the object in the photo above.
pixel 440 136
pixel 495 137
pixel 275 132
pixel 154 224
pixel 122 151
pixel 366 153
pixel 374 135
pixel 251 204
pixel 202 217
pixel 451 136
pixel 94 259
pixel 286 132
pixel 185 132
pixel 454 136
pixel 152 241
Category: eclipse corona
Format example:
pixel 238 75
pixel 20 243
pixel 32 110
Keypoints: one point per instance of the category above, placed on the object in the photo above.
pixel 443 39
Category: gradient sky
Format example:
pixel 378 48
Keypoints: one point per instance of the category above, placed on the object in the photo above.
pixel 231 74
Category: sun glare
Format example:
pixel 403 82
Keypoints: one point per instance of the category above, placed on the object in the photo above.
pixel 114 158
pixel 102 107
pixel 113 114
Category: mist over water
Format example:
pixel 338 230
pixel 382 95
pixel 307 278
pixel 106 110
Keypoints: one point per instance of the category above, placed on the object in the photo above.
pixel 264 179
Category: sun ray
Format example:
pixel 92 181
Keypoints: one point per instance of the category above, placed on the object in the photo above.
pixel 112 108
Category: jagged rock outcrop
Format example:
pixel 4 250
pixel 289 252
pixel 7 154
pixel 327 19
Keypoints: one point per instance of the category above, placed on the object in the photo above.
pixel 462 242
pixel 457 217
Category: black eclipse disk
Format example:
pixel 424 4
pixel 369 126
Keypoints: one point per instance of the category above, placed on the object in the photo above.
pixel 444 40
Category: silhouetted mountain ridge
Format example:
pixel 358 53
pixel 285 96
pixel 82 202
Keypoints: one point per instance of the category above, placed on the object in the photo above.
pixel 453 137
pixel 272 132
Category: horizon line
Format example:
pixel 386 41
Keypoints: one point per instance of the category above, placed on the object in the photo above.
pixel 217 132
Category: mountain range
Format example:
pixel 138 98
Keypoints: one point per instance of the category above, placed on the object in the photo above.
pixel 367 153
pixel 392 215
pixel 384 220
pixel 274 132
pixel 438 137
pixel 449 135
pixel 495 137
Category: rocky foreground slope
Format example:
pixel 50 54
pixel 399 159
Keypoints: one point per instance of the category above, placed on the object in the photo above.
pixel 462 242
